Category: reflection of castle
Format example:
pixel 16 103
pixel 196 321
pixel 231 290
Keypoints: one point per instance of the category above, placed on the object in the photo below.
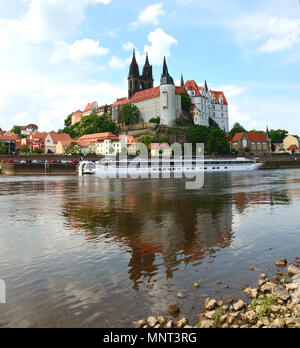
pixel 157 229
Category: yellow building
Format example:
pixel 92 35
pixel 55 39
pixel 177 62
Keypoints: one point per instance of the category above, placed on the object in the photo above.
pixel 291 144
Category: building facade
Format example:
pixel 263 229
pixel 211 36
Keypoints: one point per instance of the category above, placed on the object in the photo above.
pixel 251 143
pixel 291 144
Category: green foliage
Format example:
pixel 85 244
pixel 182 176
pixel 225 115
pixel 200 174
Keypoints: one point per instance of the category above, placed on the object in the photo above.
pixel 16 130
pixel 89 125
pixel 129 114
pixel 277 136
pixel 237 128
pixel 38 151
pixel 74 149
pixel 186 102
pixel 3 149
pixel 266 306
pixel 68 121
pixel 214 139
pixel 155 120
pixel 147 140
pixel 164 140
pixel 25 149
pixel 212 123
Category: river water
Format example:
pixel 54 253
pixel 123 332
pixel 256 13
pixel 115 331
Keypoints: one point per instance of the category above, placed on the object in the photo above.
pixel 91 252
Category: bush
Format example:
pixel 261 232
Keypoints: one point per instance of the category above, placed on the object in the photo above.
pixel 155 120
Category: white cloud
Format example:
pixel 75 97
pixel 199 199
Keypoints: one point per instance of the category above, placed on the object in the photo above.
pixel 161 44
pixel 285 34
pixel 150 15
pixel 79 50
pixel 128 46
pixel 49 20
pixel 117 63
pixel 47 103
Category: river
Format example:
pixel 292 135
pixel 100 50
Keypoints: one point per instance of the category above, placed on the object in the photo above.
pixel 91 252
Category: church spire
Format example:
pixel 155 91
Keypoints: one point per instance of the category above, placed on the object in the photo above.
pixel 206 87
pixel 134 68
pixel 166 79
pixel 182 81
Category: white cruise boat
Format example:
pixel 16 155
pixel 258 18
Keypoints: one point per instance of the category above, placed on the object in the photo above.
pixel 108 166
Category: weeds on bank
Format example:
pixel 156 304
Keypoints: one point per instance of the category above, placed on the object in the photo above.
pixel 266 306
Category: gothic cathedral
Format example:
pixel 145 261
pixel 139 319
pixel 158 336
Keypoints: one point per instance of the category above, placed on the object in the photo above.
pixel 136 82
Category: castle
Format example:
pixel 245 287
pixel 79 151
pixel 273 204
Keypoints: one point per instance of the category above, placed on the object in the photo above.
pixel 165 101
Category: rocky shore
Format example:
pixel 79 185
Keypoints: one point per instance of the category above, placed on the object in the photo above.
pixel 274 303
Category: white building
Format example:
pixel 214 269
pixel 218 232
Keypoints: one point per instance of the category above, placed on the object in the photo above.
pixel 208 104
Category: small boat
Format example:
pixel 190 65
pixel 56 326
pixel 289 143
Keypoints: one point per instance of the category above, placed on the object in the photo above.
pixel 86 167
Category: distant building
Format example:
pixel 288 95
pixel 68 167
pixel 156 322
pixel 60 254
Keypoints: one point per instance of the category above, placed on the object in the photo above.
pixel 76 117
pixel 62 145
pixel 52 140
pixel 251 143
pixel 291 144
pixel 26 130
pixel 157 149
pixel 90 108
pixel 35 140
pixel 10 141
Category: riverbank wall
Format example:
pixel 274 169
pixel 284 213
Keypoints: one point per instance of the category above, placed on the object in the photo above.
pixel 280 165
pixel 38 169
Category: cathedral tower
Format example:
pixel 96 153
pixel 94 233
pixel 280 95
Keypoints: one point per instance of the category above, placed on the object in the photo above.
pixel 167 98
pixel 147 76
pixel 134 80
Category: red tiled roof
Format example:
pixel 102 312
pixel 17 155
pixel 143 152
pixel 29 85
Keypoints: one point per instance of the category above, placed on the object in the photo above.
pixel 60 137
pixel 149 93
pixel 78 112
pixel 89 107
pixel 131 140
pixel 293 147
pixel 250 136
pixel 8 137
pixel 98 136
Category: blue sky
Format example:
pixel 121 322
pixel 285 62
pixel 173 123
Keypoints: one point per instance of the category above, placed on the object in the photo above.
pixel 58 55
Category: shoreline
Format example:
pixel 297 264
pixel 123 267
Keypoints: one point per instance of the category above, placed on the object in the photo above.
pixel 274 303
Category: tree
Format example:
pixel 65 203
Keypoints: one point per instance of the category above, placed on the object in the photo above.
pixel 25 149
pixel 16 130
pixel 164 139
pixel 38 151
pixel 74 149
pixel 198 134
pixel 277 136
pixel 129 114
pixel 3 149
pixel 212 123
pixel 218 143
pixel 68 121
pixel 155 120
pixel 186 102
pixel 237 128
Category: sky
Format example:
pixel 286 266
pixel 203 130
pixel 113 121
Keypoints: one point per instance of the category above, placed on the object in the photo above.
pixel 56 56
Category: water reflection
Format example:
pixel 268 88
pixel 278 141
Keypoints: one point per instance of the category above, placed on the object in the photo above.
pixel 86 251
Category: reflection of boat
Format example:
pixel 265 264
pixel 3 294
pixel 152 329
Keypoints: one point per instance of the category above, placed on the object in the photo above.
pixel 86 167
pixel 174 165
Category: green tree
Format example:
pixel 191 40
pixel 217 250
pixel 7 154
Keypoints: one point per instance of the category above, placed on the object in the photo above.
pixel 155 120
pixel 68 121
pixel 3 149
pixel 199 134
pixel 129 114
pixel 74 149
pixel 237 128
pixel 278 135
pixel 218 143
pixel 38 151
pixel 186 102
pixel 147 140
pixel 25 149
pixel 213 123
pixel 16 130
pixel 164 139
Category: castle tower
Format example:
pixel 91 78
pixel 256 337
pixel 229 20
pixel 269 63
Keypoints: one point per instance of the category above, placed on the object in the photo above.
pixel 167 98
pixel 134 81
pixel 147 76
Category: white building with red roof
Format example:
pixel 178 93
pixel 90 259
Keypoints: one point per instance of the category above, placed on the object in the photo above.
pixel 163 101
pixel 90 108
pixel 208 104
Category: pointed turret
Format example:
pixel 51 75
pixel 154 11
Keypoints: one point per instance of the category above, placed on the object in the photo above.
pixel 134 68
pixel 206 87
pixel 147 76
pixel 166 79
pixel 268 133
pixel 182 81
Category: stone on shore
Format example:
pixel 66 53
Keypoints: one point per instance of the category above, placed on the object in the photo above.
pixel 139 324
pixel 174 309
pixel 210 304
pixel 251 293
pixel 282 263
pixel 169 324
pixel 161 320
pixel 181 323
pixel 151 321
pixel 239 305
pixel 280 292
pixel 293 270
